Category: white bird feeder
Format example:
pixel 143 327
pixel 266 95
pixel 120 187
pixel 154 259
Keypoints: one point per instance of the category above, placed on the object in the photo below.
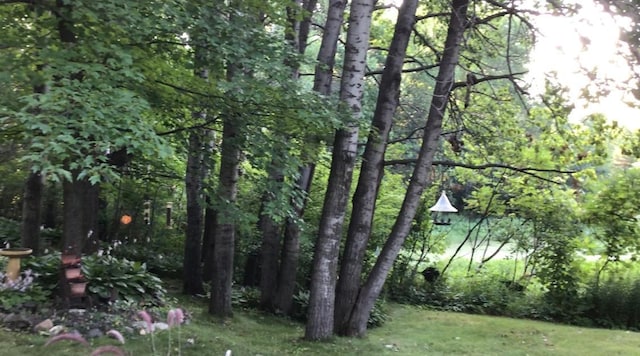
pixel 441 209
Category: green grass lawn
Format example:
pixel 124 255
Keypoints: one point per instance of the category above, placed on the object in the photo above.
pixel 410 331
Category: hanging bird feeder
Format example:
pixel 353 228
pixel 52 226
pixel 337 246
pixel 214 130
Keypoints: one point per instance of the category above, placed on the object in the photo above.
pixel 441 209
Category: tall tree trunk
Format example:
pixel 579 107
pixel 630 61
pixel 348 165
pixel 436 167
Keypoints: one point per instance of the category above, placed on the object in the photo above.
pixel 91 206
pixel 371 172
pixel 268 227
pixel 73 233
pixel 420 177
pixel 196 173
pixel 270 239
pixel 75 228
pixel 224 239
pixel 291 250
pixel 322 83
pixel 32 201
pixel 210 218
pixel 323 279
pixel 323 77
pixel 31 212
pixel 192 270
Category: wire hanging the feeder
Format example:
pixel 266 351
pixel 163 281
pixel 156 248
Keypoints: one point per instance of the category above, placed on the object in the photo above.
pixel 441 209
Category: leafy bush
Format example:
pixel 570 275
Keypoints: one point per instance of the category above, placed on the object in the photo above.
pixel 111 278
pixel 167 259
pixel 245 297
pixel 21 292
pixel 9 232
pixel 615 304
pixel 46 268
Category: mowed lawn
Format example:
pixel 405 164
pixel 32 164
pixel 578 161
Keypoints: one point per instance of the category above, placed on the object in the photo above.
pixel 410 331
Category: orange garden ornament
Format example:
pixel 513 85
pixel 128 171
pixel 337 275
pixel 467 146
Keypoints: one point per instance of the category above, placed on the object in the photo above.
pixel 125 219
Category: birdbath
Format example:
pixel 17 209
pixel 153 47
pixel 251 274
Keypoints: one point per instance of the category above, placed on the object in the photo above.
pixel 15 254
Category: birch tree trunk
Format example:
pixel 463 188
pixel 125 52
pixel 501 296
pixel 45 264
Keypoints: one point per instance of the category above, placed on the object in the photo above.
pixel 323 278
pixel 371 172
pixel 420 178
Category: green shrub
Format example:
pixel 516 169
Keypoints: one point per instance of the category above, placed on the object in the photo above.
pixel 615 303
pixel 46 268
pixel 111 278
pixel 21 292
pixel 9 232
pixel 163 262
pixel 245 297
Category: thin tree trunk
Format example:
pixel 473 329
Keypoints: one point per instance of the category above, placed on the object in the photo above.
pixel 364 199
pixel 320 317
pixel 195 175
pixel 192 270
pixel 32 200
pixel 291 251
pixel 270 229
pixel 91 206
pixel 270 240
pixel 73 234
pixel 210 218
pixel 209 212
pixel 322 83
pixel 31 212
pixel 420 177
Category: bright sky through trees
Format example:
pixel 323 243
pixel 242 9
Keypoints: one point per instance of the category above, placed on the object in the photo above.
pixel 586 55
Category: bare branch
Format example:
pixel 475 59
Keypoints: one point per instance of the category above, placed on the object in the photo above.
pixel 525 170
pixel 510 76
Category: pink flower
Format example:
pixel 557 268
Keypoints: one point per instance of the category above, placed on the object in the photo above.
pixel 74 336
pixel 116 335
pixel 147 319
pixel 175 317
pixel 171 317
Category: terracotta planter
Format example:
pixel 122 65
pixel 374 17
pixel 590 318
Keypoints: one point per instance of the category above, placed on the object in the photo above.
pixel 78 289
pixel 70 260
pixel 73 273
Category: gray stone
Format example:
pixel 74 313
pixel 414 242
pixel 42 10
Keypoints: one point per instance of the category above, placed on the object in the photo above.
pixel 94 333
pixel 17 322
pixel 139 325
pixel 160 326
pixel 128 330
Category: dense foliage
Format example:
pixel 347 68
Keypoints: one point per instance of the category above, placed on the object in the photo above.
pixel 139 130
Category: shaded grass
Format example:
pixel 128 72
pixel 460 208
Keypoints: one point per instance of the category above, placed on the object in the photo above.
pixel 410 331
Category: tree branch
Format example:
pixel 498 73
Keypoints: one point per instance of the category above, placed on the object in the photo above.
pixel 525 170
